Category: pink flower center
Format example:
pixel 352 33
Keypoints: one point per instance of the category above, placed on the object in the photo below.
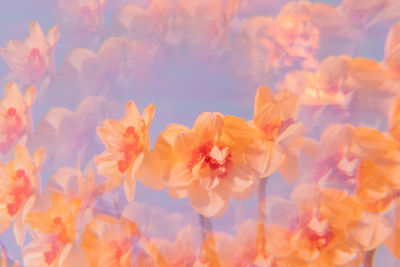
pixel 216 158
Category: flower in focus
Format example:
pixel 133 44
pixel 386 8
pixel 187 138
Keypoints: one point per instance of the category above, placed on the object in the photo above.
pixel 107 241
pixel 30 61
pixel 127 142
pixel 15 115
pixel 279 136
pixel 205 163
pixel 20 186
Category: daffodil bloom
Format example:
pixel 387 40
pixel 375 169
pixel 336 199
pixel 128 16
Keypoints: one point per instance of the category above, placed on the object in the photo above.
pixel 30 61
pixel 54 232
pixel 20 186
pixel 279 136
pixel 109 242
pixel 322 87
pixel 15 115
pixel 127 142
pixel 322 235
pixel 205 163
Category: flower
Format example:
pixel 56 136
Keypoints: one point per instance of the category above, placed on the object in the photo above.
pixel 205 163
pixel 322 87
pixel 279 136
pixel 127 142
pixel 107 241
pixel 20 185
pixel 159 252
pixel 15 115
pixel 54 231
pixel 322 235
pixel 30 61
pixel 81 17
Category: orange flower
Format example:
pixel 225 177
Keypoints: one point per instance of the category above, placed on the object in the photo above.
pixel 20 185
pixel 54 231
pixel 15 115
pixel 322 87
pixel 31 60
pixel 279 137
pixel 127 142
pixel 322 237
pixel 205 163
pixel 204 25
pixel 108 242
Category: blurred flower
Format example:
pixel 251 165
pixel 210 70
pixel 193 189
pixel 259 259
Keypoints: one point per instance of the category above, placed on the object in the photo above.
pixel 68 135
pixel 109 242
pixel 54 232
pixel 118 63
pixel 15 115
pixel 364 14
pixel 202 27
pixel 20 186
pixel 323 87
pixel 83 18
pixel 159 252
pixel 146 25
pixel 30 61
pixel 268 45
pixel 127 142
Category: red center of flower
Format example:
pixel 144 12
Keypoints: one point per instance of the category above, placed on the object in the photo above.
pixel 11 112
pixel 21 189
pixel 51 254
pixel 131 149
pixel 217 158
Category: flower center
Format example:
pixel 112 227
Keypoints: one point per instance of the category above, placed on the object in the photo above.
pixel 319 233
pixel 217 158
pixel 131 149
pixel 21 189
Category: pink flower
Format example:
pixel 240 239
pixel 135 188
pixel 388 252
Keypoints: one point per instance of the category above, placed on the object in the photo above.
pixel 30 61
